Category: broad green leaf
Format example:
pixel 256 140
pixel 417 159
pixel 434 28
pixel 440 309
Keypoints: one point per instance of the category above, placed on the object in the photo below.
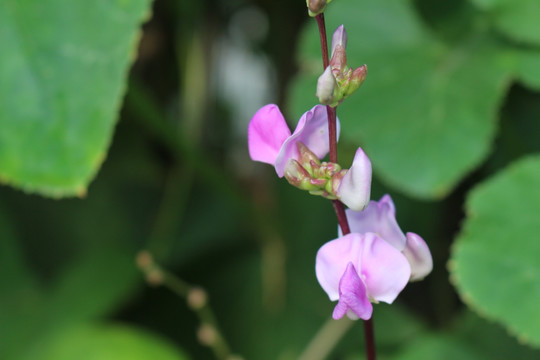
pixel 104 342
pixel 495 263
pixel 426 113
pixel 515 18
pixel 62 74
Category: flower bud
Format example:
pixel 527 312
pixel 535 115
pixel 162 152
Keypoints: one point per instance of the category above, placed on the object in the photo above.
pixel 207 334
pixel 356 80
pixel 336 181
pixel 295 173
pixel 315 7
pixel 299 177
pixel 326 87
pixel 197 298
pixel 144 260
pixel 308 159
pixel 339 38
pixel 328 169
pixel 338 62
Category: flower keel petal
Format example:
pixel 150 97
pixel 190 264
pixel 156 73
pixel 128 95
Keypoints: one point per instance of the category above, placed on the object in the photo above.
pixel 352 296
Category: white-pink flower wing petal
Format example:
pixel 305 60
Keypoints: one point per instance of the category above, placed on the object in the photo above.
pixel 355 188
pixel 384 269
pixel 417 253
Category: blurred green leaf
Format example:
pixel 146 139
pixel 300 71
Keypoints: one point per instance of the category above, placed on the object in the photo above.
pixel 440 347
pixel 104 342
pixel 62 75
pixel 396 325
pixel 470 338
pixel 495 262
pixel 490 339
pixel 20 298
pixel 515 18
pixel 14 273
pixel 528 68
pixel 92 286
pixel 426 113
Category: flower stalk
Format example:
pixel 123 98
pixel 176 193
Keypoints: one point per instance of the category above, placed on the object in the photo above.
pixel 338 206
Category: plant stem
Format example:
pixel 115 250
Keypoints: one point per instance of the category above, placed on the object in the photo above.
pixel 342 218
pixel 206 316
pixel 324 43
pixel 338 206
pixel 369 336
pixel 332 133
pixel 197 300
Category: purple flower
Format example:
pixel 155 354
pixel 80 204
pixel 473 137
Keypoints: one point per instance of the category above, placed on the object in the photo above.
pixel 357 269
pixel 270 140
pixel 380 218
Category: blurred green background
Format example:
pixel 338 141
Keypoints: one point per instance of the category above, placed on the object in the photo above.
pixel 449 114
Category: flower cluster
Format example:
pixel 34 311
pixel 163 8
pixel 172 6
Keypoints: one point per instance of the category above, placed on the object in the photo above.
pixel 338 81
pixel 376 260
pixel 297 156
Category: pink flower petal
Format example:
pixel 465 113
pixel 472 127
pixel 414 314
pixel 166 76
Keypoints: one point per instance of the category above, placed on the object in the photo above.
pixel 417 253
pixel 379 218
pixel 312 130
pixel 352 296
pixel 384 269
pixel 355 188
pixel 267 131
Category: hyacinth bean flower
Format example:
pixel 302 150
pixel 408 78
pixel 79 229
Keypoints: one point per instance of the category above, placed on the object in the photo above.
pixel 297 156
pixel 358 269
pixel 380 218
pixel 270 140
